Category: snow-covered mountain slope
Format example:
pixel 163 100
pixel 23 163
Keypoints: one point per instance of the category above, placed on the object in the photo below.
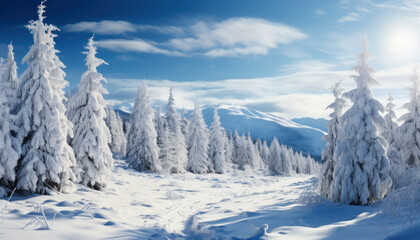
pixel 261 125
pixel 266 126
pixel 320 123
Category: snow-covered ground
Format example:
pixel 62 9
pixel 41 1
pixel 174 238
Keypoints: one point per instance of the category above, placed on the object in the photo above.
pixel 236 205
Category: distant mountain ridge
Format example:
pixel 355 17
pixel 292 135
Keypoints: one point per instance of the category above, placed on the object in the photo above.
pixel 296 134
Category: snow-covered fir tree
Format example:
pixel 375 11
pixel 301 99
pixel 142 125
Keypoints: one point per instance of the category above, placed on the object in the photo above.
pixel 279 162
pixel 159 124
pixel 8 75
pixel 142 148
pixel 361 172
pixel 390 130
pixel 265 153
pixel 167 150
pixel 114 123
pixel 236 147
pixel 217 145
pixel 334 125
pixel 184 123
pixel 46 161
pixel 9 146
pixel 198 144
pixel 86 110
pixel 177 139
pixel 274 154
pixel 410 128
pixel 229 149
pixel 248 156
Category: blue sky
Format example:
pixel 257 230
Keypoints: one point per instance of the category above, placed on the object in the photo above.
pixel 276 56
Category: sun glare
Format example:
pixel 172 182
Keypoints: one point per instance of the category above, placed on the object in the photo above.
pixel 402 43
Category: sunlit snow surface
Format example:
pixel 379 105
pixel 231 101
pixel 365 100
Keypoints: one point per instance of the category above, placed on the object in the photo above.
pixel 231 206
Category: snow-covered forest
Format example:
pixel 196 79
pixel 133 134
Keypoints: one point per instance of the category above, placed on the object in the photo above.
pixel 78 153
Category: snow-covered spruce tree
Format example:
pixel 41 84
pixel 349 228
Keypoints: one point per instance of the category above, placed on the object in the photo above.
pixel 390 130
pixel 279 161
pixel 361 172
pixel 122 134
pixel 115 127
pixel 217 145
pixel 265 153
pixel 86 110
pixel 9 146
pixel 184 123
pixel 167 150
pixel 236 148
pixel 334 125
pixel 404 151
pixel 142 149
pixel 229 150
pixel 274 155
pixel 10 79
pixel 46 161
pixel 410 129
pixel 177 139
pixel 198 143
pixel 258 146
pixel 248 155
pixel 159 123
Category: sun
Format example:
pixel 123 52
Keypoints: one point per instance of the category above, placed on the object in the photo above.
pixel 402 43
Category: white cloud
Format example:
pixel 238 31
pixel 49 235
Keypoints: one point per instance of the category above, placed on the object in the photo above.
pixel 319 12
pixel 351 17
pixel 116 27
pixel 298 94
pixel 236 36
pixel 231 37
pixel 105 27
pixel 136 45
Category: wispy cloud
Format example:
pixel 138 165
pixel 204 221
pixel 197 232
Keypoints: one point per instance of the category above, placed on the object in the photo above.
pixel 117 27
pixel 105 27
pixel 319 12
pixel 351 17
pixel 229 38
pixel 235 37
pixel 136 45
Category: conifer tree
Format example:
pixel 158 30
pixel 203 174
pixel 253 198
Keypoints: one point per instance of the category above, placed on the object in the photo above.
pixel 9 146
pixel 159 124
pixel 10 79
pixel 46 161
pixel 86 110
pixel 177 139
pixel 142 149
pixel 334 125
pixel 114 123
pixel 265 153
pixel 361 171
pixel 198 144
pixel 217 145
pixel 410 129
